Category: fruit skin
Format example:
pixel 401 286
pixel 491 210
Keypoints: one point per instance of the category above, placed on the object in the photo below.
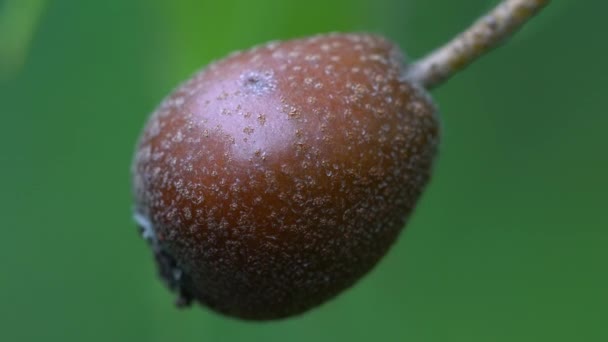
pixel 275 178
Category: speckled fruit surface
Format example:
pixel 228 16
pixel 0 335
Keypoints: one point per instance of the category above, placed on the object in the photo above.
pixel 275 178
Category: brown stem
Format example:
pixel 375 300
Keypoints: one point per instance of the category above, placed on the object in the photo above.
pixel 485 34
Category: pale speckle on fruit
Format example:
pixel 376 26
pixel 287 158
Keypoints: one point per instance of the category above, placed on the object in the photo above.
pixel 258 82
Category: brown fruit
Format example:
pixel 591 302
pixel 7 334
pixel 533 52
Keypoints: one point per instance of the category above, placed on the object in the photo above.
pixel 275 178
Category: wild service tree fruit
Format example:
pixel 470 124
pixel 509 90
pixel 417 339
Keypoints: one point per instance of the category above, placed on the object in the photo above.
pixel 275 178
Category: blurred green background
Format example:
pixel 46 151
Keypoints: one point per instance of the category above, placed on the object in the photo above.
pixel 508 244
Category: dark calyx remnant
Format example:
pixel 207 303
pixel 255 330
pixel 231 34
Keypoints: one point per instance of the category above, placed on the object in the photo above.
pixel 173 277
pixel 168 270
